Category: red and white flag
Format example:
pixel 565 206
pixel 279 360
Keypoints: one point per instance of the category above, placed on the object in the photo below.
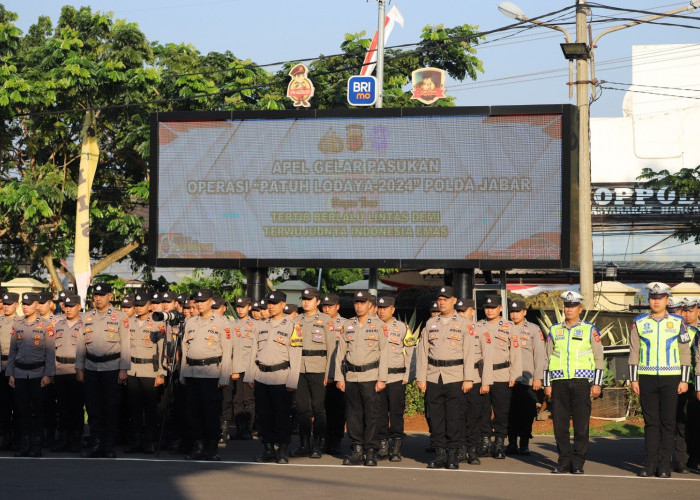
pixel 392 17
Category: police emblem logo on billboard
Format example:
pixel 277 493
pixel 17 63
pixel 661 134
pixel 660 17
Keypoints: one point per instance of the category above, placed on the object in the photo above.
pixel 428 85
pixel 300 88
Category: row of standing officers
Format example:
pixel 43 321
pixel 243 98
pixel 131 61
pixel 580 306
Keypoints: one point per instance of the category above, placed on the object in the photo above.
pixel 479 379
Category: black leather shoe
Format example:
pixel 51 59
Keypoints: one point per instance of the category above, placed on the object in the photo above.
pixel 356 456
pixel 452 460
pixel 664 474
pixel 440 459
pixel 268 453
pixel 198 452
pixel 283 453
pixel 473 457
pixel 561 469
pixel 371 458
pixel 681 469
pixel 577 470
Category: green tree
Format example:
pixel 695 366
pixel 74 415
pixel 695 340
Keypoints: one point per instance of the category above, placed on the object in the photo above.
pixel 686 182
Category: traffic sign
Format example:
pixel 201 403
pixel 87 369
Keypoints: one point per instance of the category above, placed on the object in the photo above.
pixel 362 90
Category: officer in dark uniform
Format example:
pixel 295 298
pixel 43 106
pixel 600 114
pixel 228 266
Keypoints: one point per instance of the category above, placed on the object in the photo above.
pixel 523 405
pixel 507 367
pixel 335 398
pixel 273 373
pixel 146 376
pixel 101 362
pixel 30 368
pixel 8 424
pixel 318 343
pixel 401 346
pixel 443 372
pixel 659 363
pixel 574 374
pixel 243 396
pixel 205 370
pixel 70 394
pixel 361 372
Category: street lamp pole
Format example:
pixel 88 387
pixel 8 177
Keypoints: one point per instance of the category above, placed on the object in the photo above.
pixel 380 54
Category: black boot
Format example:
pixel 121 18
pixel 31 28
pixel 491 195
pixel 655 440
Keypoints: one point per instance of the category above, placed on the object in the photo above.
pixel 485 448
pixel 35 451
pixel 198 452
pixel 268 453
pixel 452 460
pixel 109 449
pixel 211 447
pixel 371 458
pixel 396 450
pixel 524 447
pixel 512 448
pixel 62 443
pixel 499 449
pixel 462 453
pixel 473 456
pixel 317 449
pixel 283 453
pixel 304 450
pixel 440 459
pixel 93 451
pixel 383 452
pixel 24 447
pixel 356 456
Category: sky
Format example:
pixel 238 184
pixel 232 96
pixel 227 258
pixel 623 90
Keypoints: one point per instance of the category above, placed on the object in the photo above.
pixel 525 67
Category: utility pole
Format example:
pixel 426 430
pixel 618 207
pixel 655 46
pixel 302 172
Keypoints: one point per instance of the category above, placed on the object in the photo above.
pixel 380 53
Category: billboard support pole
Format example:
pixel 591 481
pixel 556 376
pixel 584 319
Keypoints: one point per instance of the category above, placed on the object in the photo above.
pixel 380 54
pixel 257 279
pixel 373 280
pixel 460 282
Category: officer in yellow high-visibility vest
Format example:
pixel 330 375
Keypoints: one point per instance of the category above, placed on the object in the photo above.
pixel 574 374
pixel 659 364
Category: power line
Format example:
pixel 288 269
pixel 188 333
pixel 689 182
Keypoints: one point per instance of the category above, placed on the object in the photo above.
pixel 650 93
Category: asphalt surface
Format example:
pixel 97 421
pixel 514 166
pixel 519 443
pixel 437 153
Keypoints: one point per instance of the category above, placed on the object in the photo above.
pixel 610 473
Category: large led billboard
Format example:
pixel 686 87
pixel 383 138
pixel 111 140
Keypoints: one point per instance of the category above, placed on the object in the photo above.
pixel 486 187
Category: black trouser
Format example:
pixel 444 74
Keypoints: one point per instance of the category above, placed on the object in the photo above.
pixel 311 402
pixel 144 400
pixel 523 410
pixel 70 398
pixel 658 395
pixel 392 403
pixel 203 397
pixel 177 406
pixel 446 403
pixel 335 413
pixel 7 408
pixel 682 427
pixel 102 400
pixel 31 400
pixel 571 398
pixel 273 404
pixel 474 404
pixel 693 430
pixel 243 405
pixel 51 418
pixel 499 399
pixel 228 393
pixel 362 414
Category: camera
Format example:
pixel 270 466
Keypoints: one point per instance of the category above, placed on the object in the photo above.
pixel 172 318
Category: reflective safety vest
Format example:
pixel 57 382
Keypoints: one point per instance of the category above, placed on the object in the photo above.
pixel 658 344
pixel 572 356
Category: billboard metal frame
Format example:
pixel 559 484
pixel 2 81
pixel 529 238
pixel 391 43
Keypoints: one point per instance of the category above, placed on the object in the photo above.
pixel 569 194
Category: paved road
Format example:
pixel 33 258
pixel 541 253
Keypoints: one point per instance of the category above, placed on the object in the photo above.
pixel 610 474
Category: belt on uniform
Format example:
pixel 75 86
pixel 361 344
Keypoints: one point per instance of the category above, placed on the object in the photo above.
pixel 397 370
pixel 29 366
pixel 65 360
pixel 272 368
pixel 362 368
pixel 445 362
pixel 500 366
pixel 201 362
pixel 311 352
pixel 144 361
pixel 102 359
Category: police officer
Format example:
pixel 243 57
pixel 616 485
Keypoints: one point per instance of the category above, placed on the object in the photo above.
pixel 361 373
pixel 434 310
pixel 466 308
pixel 70 394
pixel 690 316
pixel 443 372
pixel 256 312
pixel 523 405
pixel 30 368
pixel 101 362
pixel 335 398
pixel 273 373
pixel 401 345
pixel 243 396
pixel 146 376
pixel 507 367
pixel 575 359
pixel 10 436
pixel 219 308
pixel 318 344
pixel 659 363
pixel 684 411
pixel 205 370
